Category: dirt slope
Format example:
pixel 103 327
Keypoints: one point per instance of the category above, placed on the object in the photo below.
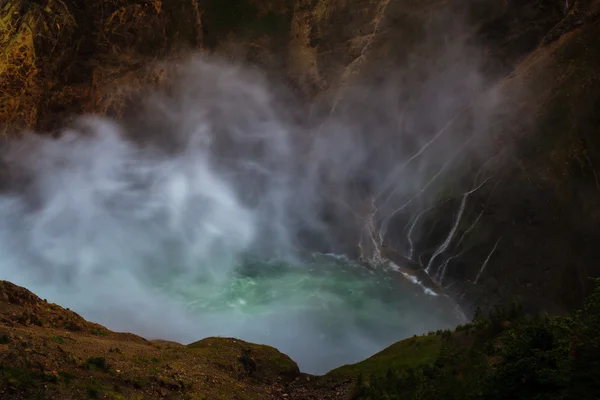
pixel 47 352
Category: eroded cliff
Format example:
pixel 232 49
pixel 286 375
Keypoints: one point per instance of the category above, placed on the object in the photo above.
pixel 526 233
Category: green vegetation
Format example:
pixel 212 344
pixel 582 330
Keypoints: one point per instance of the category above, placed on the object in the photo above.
pixel 259 361
pixel 58 339
pixel 66 376
pixel 93 393
pixel 73 327
pixel 97 363
pixel 411 352
pixel 21 380
pixel 502 356
pixel 101 332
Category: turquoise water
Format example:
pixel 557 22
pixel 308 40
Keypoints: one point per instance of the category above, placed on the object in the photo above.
pixel 324 312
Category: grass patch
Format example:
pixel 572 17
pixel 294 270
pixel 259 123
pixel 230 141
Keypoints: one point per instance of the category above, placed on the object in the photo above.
pixel 413 352
pixel 93 392
pixel 265 362
pixel 100 332
pixel 141 359
pixel 58 339
pixel 20 379
pixel 98 363
pixel 138 382
pixel 66 376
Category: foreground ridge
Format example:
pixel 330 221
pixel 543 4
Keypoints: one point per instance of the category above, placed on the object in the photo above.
pixel 47 351
pixel 50 352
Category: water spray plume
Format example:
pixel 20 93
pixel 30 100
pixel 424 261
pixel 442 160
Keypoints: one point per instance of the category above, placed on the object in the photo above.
pixel 188 219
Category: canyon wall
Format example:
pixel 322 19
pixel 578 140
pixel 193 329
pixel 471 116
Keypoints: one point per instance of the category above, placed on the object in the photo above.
pixel 513 217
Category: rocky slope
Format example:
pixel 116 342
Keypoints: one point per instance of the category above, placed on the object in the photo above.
pixel 49 352
pixel 522 77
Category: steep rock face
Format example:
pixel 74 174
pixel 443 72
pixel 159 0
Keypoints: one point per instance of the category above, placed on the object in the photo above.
pixel 539 217
pixel 528 232
pixel 64 57
pixel 526 122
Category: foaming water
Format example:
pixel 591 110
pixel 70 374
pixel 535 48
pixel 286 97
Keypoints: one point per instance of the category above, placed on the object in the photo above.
pixel 324 313
pixel 162 224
